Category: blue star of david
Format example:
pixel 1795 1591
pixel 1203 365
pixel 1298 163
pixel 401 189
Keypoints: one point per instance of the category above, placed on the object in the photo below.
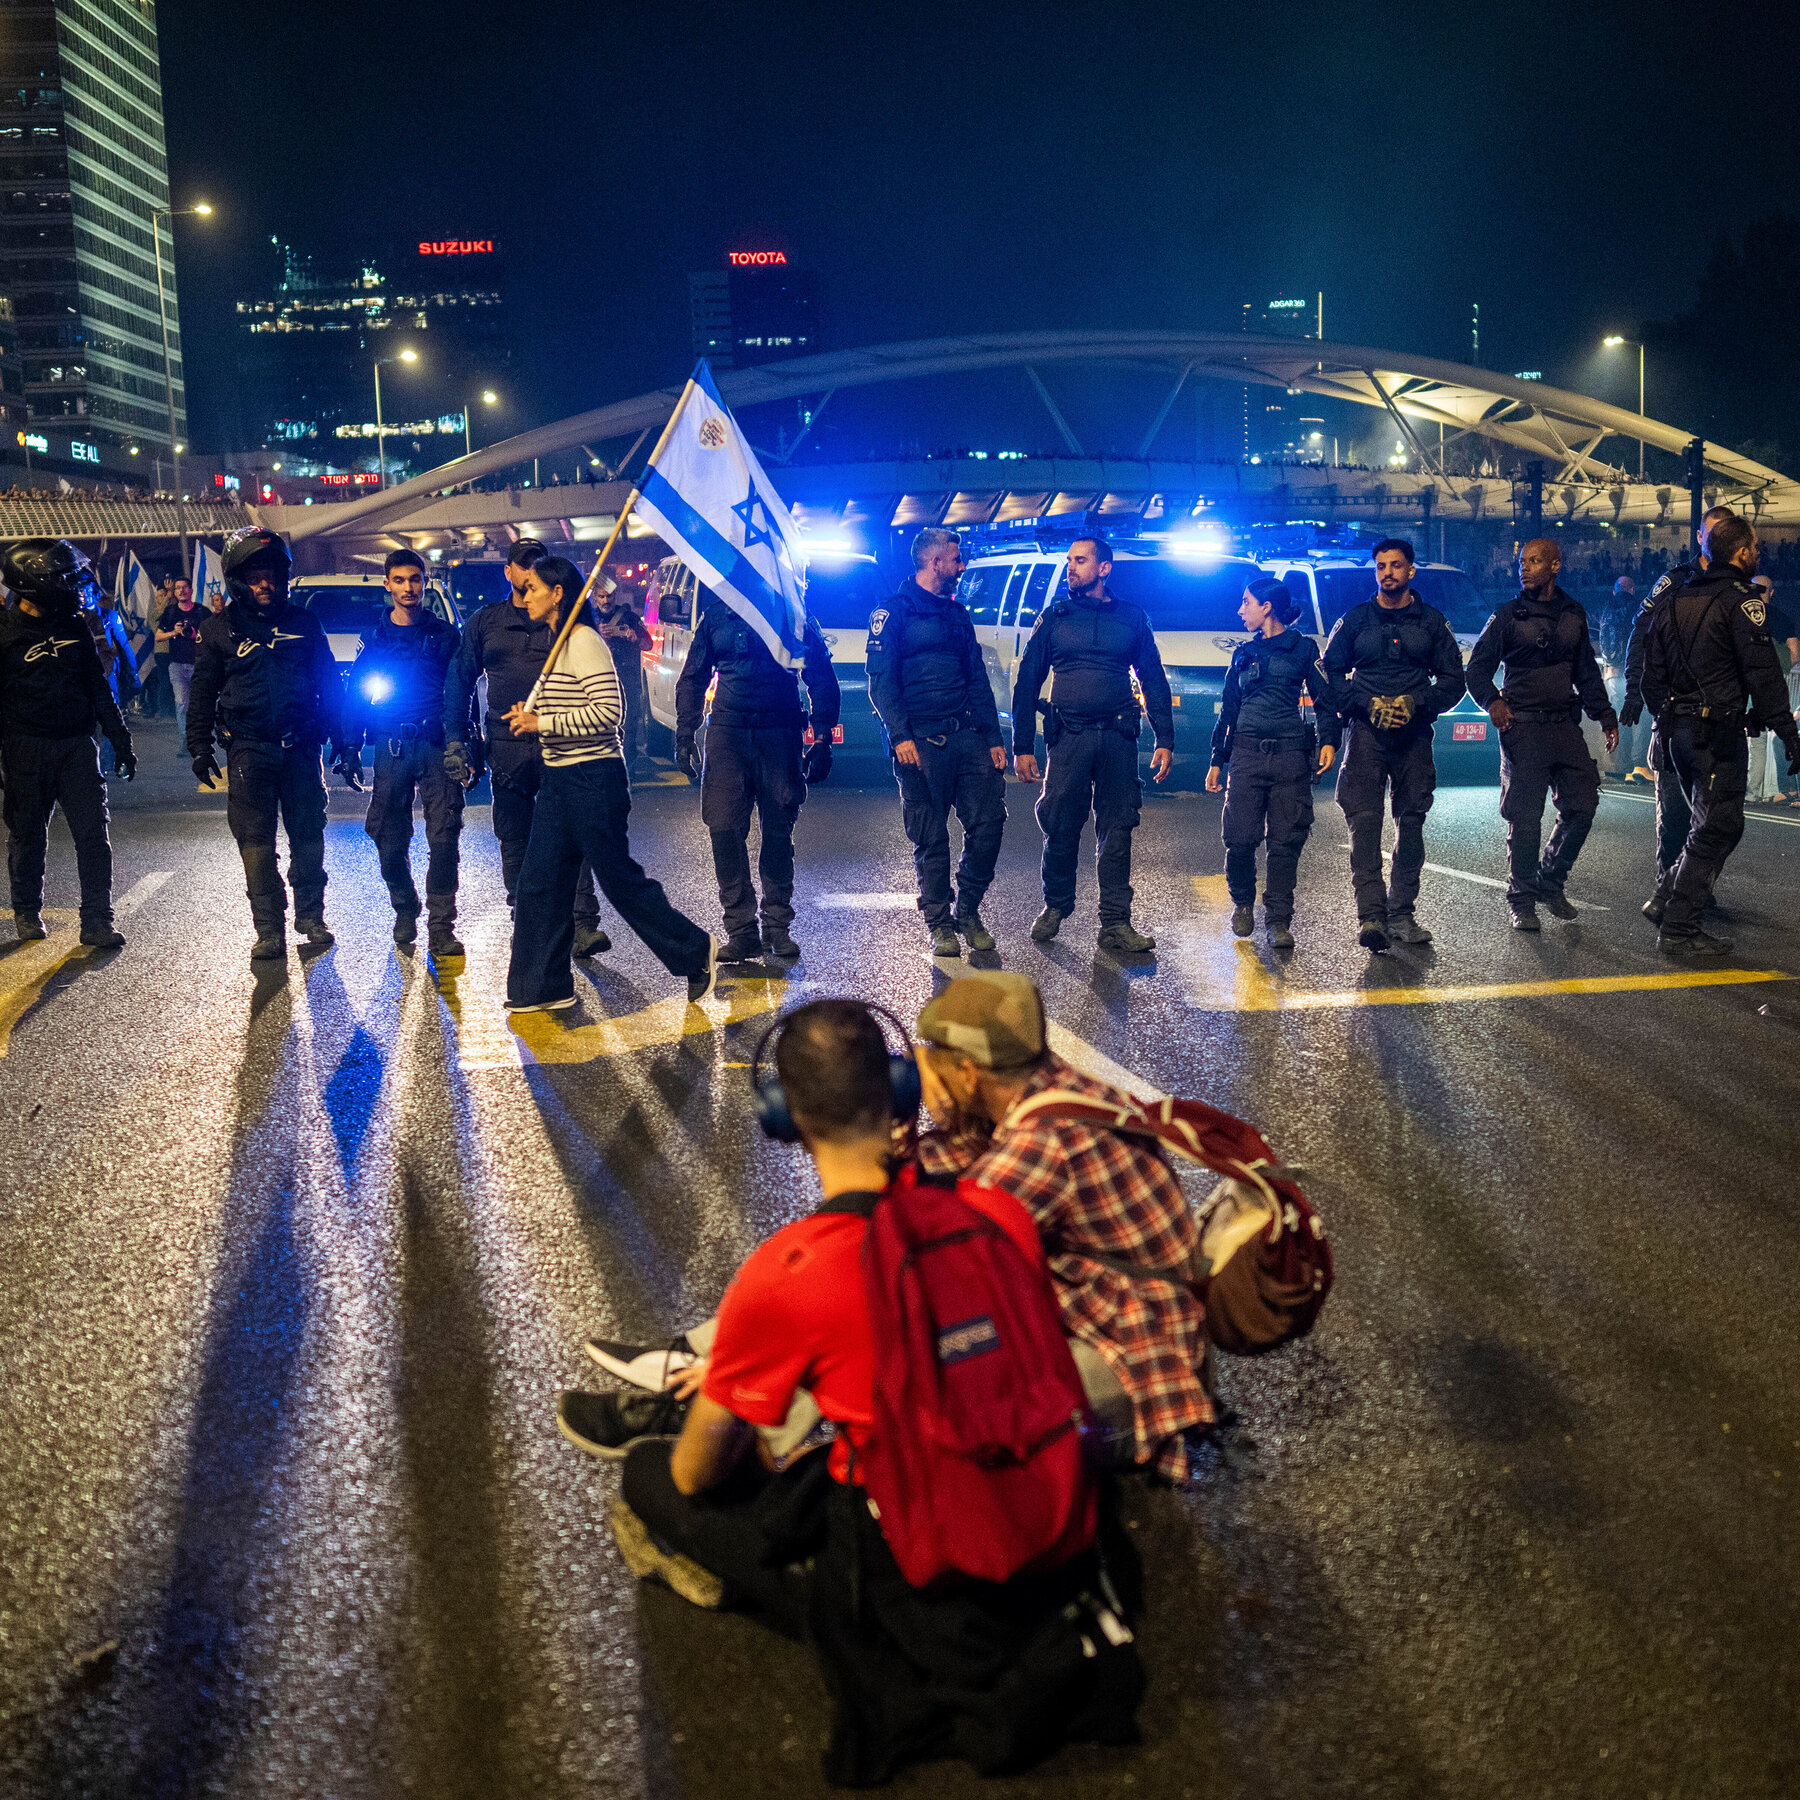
pixel 746 510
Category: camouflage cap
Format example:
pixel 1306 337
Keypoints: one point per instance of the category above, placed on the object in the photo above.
pixel 994 1018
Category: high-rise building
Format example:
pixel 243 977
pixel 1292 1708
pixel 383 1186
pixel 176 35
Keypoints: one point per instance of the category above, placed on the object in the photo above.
pixel 83 174
pixel 756 309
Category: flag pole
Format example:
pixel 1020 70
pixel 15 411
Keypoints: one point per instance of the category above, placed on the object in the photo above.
pixel 606 549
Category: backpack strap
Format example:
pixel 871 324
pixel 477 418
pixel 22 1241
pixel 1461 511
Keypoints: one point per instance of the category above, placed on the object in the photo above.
pixel 862 1204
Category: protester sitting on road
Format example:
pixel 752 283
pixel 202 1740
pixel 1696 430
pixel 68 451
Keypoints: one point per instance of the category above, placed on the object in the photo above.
pixel 996 1671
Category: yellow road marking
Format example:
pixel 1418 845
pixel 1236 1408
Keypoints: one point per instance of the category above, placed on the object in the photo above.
pixel 25 973
pixel 545 1039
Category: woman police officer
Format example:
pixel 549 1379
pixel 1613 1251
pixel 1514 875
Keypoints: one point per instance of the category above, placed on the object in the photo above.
pixel 1272 754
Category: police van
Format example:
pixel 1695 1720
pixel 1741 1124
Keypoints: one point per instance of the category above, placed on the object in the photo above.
pixel 348 607
pixel 842 589
pixel 1190 588
pixel 1465 745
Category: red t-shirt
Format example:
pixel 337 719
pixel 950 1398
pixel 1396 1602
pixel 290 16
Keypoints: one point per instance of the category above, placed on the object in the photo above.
pixel 795 1316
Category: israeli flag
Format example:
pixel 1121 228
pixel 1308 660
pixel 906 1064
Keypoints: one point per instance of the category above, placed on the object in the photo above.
pixel 709 500
pixel 134 594
pixel 209 577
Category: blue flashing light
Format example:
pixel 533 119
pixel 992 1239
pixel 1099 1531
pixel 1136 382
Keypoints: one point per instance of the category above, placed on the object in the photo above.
pixel 378 688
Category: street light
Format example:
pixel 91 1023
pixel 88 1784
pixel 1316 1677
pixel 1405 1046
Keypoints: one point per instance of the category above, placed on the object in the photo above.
pixel 405 356
pixel 204 211
pixel 1612 343
pixel 488 398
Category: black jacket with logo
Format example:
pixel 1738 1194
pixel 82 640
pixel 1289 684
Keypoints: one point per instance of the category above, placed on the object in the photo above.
pixel 413 660
pixel 501 643
pixel 1708 645
pixel 263 680
pixel 51 682
pixel 1092 643
pixel 1262 693
pixel 925 667
pixel 1549 658
pixel 754 689
pixel 1376 650
pixel 1677 577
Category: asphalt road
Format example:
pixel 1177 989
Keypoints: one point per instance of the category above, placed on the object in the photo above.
pixel 292 1266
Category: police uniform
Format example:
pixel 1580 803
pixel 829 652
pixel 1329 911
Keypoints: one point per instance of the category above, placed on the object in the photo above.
pixel 1270 752
pixel 396 702
pixel 927 682
pixel 1090 644
pixel 501 642
pixel 1707 652
pixel 754 738
pixel 54 696
pixel 1552 675
pixel 1673 820
pixel 268 685
pixel 1393 670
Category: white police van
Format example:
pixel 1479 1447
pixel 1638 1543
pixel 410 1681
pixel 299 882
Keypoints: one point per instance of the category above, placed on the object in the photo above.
pixel 1465 745
pixel 348 608
pixel 842 588
pixel 1189 586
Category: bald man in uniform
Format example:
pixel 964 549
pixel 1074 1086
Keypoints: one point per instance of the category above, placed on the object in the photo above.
pixel 1552 675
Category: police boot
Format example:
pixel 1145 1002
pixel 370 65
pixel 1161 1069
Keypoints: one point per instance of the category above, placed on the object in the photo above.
pixel 1280 936
pixel 102 937
pixel 406 925
pixel 1372 934
pixel 442 914
pixel 316 932
pixel 28 927
pixel 444 941
pixel 972 932
pixel 1243 920
pixel 1046 925
pixel 1524 915
pixel 742 946
pixel 1122 938
pixel 270 945
pixel 1403 928
pixel 589 941
pixel 944 941
pixel 1692 943
pixel 1557 903
pixel 779 941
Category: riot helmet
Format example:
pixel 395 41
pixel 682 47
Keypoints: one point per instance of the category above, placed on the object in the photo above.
pixel 254 547
pixel 52 574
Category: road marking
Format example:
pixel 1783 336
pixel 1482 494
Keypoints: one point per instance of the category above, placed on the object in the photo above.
pixel 1764 817
pixel 25 973
pixel 1490 882
pixel 545 1039
pixel 1096 1063
pixel 866 902
pixel 145 888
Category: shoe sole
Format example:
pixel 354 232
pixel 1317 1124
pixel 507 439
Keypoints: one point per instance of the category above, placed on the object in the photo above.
pixel 605 1452
pixel 638 1551
pixel 543 1006
pixel 713 959
pixel 650 1370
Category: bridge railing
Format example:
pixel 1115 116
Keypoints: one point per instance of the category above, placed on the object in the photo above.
pixel 84 519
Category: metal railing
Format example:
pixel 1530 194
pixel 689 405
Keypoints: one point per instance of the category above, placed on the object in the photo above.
pixel 73 517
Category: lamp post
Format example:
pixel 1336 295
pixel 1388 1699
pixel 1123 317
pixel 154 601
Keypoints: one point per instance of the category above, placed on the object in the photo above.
pixel 1612 343
pixel 202 210
pixel 406 356
pixel 488 398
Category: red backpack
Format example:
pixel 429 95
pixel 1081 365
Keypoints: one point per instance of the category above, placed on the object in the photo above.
pixel 975 1463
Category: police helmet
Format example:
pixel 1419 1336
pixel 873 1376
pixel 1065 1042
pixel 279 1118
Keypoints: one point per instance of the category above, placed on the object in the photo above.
pixel 52 574
pixel 253 546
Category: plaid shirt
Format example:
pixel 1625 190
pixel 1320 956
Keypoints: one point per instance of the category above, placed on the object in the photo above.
pixel 1089 1188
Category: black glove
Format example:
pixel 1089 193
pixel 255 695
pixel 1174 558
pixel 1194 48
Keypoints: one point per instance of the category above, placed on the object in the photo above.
pixel 349 765
pixel 1793 750
pixel 206 771
pixel 817 762
pixel 685 759
pixel 456 762
pixel 1630 713
pixel 126 762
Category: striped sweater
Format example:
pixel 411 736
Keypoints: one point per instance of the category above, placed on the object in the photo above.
pixel 578 702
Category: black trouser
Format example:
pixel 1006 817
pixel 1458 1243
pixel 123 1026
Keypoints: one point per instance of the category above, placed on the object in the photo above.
pixel 1674 818
pixel 630 667
pixel 401 765
pixel 1268 793
pixel 517 770
pixel 582 810
pixel 1542 758
pixel 956 771
pixel 1096 772
pixel 1714 771
pixel 42 774
pixel 1377 763
pixel 748 767
pixel 267 780
pixel 730 1530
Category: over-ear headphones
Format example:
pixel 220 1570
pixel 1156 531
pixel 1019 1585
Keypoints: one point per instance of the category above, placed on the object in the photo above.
pixel 770 1103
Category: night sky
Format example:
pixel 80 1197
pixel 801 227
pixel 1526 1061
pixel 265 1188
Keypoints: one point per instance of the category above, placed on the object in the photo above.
pixel 990 167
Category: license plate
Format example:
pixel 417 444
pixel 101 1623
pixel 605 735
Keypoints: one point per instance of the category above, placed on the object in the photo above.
pixel 1471 731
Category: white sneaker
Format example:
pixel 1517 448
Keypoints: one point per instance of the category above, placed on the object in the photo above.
pixel 513 1006
pixel 648 1366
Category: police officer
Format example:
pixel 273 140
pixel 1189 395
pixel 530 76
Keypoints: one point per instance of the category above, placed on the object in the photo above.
pixel 54 695
pixel 265 680
pixel 1673 821
pixel 927 682
pixel 501 642
pixel 1092 642
pixel 754 757
pixel 1708 651
pixel 1394 666
pixel 396 700
pixel 1551 675
pixel 1273 755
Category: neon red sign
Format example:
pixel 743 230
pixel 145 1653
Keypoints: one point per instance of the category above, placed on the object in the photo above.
pixel 457 247
pixel 756 259
pixel 349 480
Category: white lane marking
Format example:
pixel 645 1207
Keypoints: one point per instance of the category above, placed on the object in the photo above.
pixel 866 902
pixel 144 888
pixel 1755 818
pixel 1489 881
pixel 1097 1063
